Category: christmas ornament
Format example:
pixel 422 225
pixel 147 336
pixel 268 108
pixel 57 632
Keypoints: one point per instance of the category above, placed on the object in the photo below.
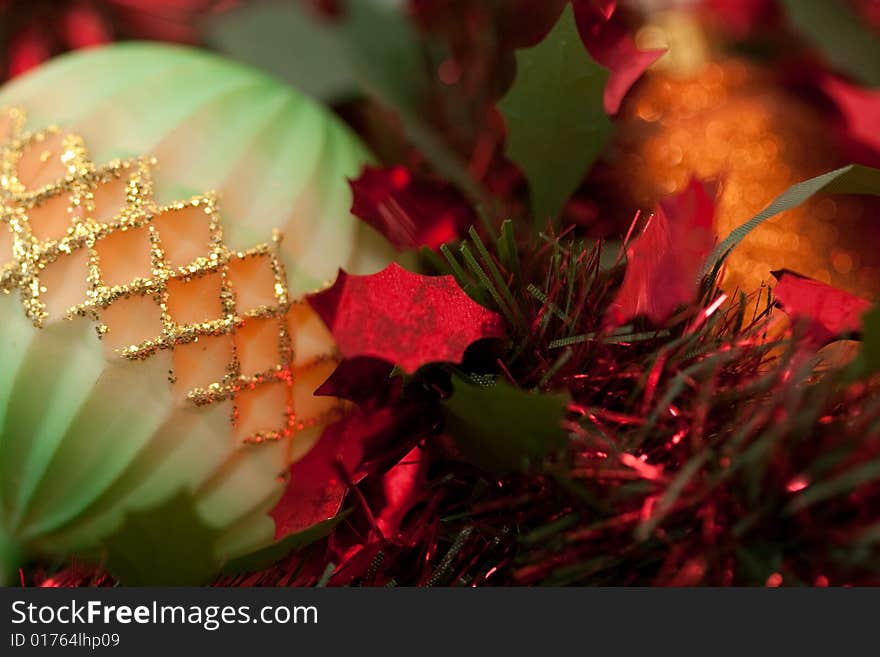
pixel 182 207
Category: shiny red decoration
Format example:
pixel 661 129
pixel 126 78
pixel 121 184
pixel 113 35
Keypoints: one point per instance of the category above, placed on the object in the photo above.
pixel 403 318
pixel 517 23
pixel 402 488
pixel 829 313
pixel 319 481
pixel 739 18
pixel 664 262
pixel 408 212
pixel 609 42
pixel 860 108
pixel 40 29
pixel 367 382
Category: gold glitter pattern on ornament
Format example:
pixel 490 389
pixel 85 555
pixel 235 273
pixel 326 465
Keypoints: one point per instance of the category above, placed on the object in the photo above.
pixel 731 122
pixel 152 278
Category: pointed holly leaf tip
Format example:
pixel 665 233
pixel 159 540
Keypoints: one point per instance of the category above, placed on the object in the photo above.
pixel 404 318
pixel 829 313
pixel 504 429
pixel 664 262
pixel 556 121
pixel 167 545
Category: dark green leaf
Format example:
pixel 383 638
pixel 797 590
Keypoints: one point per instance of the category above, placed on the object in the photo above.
pixel 845 40
pixel 670 497
pixel 287 41
pixel 387 54
pixel 851 179
pixel 167 545
pixel 389 60
pixel 555 116
pixel 843 484
pixel 507 251
pixel 374 47
pixel 869 360
pixel 277 551
pixel 501 428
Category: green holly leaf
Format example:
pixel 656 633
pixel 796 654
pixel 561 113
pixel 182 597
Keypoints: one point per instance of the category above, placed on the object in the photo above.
pixel 501 428
pixel 845 39
pixel 869 358
pixel 555 115
pixel 851 179
pixel 167 545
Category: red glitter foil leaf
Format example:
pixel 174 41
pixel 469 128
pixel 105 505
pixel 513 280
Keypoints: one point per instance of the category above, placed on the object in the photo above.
pixel 611 45
pixel 317 487
pixel 664 262
pixel 829 312
pixel 404 318
pixel 409 213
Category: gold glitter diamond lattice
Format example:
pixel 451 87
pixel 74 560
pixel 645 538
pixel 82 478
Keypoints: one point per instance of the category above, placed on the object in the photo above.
pixel 78 240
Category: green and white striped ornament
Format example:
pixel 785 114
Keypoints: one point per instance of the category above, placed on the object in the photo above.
pixel 86 439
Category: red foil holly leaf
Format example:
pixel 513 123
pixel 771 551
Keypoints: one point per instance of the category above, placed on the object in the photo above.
pixel 664 262
pixel 404 318
pixel 318 482
pixel 609 42
pixel 409 213
pixel 828 312
pixel 365 381
pixel 860 108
